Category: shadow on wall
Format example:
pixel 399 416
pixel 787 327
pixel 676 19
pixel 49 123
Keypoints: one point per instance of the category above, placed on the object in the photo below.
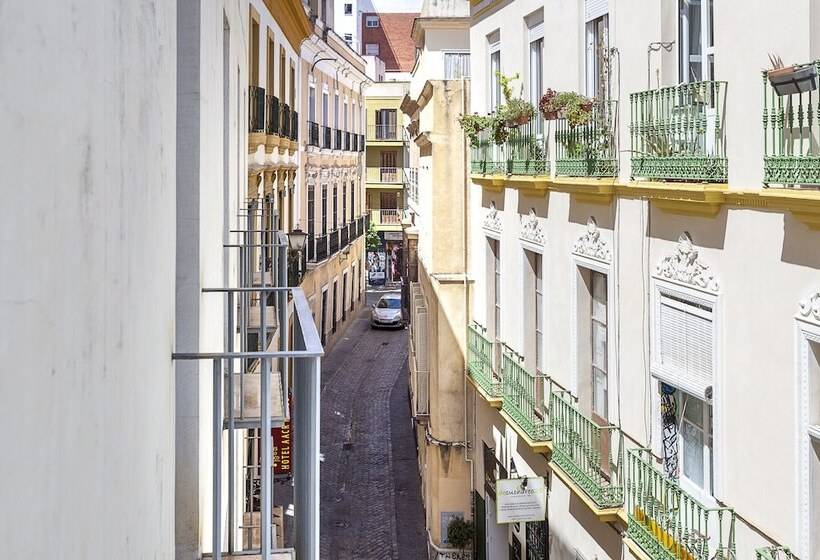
pixel 539 203
pixel 801 245
pixel 580 212
pixel 706 231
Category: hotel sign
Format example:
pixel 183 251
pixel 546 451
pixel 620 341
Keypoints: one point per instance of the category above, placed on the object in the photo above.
pixel 521 499
pixel 282 449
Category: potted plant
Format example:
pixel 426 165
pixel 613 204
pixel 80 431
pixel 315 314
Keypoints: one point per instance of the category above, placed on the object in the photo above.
pixel 518 112
pixel 473 125
pixel 499 129
pixel 460 534
pixel 573 107
pixel 788 80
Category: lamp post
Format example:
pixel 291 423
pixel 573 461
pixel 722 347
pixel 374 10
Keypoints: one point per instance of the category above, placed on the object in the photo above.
pixel 296 243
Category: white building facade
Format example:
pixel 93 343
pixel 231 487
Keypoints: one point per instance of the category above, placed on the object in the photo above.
pixel 640 277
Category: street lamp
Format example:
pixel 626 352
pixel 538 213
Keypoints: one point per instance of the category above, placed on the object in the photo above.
pixel 296 243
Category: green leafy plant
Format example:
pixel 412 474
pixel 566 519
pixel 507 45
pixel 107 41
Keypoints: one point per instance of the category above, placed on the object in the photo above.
pixel 569 105
pixel 473 125
pixel 517 112
pixel 372 239
pixel 499 129
pixel 460 533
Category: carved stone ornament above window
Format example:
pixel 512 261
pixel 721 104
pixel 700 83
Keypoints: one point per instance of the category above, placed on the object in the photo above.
pixel 686 266
pixel 492 220
pixel 591 244
pixel 810 308
pixel 531 228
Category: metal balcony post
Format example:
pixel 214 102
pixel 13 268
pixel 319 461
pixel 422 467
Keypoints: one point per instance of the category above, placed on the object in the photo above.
pixel 265 427
pixel 282 282
pixel 231 433
pixel 217 462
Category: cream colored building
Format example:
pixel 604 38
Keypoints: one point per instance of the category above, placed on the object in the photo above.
pixel 644 325
pixel 435 229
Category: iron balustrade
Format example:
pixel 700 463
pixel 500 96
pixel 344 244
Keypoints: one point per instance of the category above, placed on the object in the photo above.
pixel 791 128
pixel 272 115
pixel 523 152
pixel 383 175
pixel 333 243
pixel 667 522
pixel 523 398
pixel 480 361
pixel 386 132
pixel 361 142
pixel 361 227
pixel 774 553
pixel 387 216
pixel 337 139
pixel 321 248
pixel 590 454
pixel 344 236
pixel 347 141
pixel 256 109
pixel 313 134
pixel 311 247
pixel 326 137
pixel 354 141
pixel 678 132
pixel 294 126
pixel 285 120
pixel 591 149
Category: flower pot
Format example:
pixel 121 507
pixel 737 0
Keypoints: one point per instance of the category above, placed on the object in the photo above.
pixel 793 79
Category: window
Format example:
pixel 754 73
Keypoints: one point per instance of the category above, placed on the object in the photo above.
pixel 349 39
pixel 597 57
pixel 324 210
pixel 312 104
pixel 536 52
pixel 324 315
pixel 539 311
pixel 335 297
pixel 335 207
pixel 344 297
pixel 495 68
pixel 696 41
pixel 344 201
pixel 386 120
pixel 494 266
pixel 684 344
pixel 352 199
pixel 325 115
pixel 372 21
pixel 311 210
pixel 456 66
pixel 348 9
pixel 371 49
pixel 695 419
pixel 344 112
pixel 598 321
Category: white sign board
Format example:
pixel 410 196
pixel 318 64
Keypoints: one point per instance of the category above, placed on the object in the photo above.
pixel 521 499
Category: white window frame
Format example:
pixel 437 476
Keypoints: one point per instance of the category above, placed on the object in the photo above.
pixel 806 333
pixel 578 262
pixel 493 84
pixel 348 12
pixel 684 58
pixel 312 103
pixel 368 51
pixel 593 72
pixel 457 52
pixel 696 296
pixel 374 20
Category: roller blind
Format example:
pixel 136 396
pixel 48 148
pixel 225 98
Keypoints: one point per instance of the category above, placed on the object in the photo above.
pixel 595 8
pixel 685 345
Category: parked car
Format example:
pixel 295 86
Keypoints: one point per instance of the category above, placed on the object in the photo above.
pixel 387 312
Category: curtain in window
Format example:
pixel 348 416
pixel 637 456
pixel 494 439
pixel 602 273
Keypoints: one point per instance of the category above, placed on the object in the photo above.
pixel 456 66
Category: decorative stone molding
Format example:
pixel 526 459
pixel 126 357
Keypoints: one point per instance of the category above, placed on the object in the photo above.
pixel 685 266
pixel 591 245
pixel 531 228
pixel 492 220
pixel 810 308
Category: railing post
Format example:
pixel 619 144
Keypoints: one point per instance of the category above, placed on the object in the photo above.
pixel 216 514
pixel 306 390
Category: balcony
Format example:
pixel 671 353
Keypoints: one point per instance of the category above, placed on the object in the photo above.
pixel 321 248
pixel 354 141
pixel 678 133
pixel 256 109
pixel 791 129
pixel 389 175
pixel 286 121
pixel 523 402
pixel 333 243
pixel 523 153
pixel 386 133
pixel 313 134
pixel 386 218
pixel 480 365
pixel 272 115
pixel 337 139
pixel 361 142
pixel 666 523
pixel 589 454
pixel 588 150
pixel 344 236
pixel 774 553
pixel 294 126
pixel 347 142
pixel 327 134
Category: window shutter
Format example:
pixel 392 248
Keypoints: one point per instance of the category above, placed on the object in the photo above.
pixel 423 369
pixel 594 9
pixel 536 31
pixel 685 345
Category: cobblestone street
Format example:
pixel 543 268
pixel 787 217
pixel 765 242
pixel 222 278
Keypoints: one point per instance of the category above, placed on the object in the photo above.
pixel 370 486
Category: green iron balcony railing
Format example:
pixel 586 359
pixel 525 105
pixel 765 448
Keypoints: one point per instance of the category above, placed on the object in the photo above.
pixel 774 553
pixel 678 133
pixel 667 522
pixel 523 153
pixel 589 150
pixel 480 361
pixel 791 128
pixel 590 454
pixel 523 398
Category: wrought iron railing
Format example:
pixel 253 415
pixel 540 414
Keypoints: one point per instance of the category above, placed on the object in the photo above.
pixel 523 399
pixel 294 126
pixel 333 242
pixel 327 134
pixel 313 134
pixel 256 109
pixel 589 150
pixel 361 142
pixel 590 454
pixel 344 236
pixel 667 522
pixel 347 141
pixel 480 361
pixel 678 132
pixel 272 125
pixel 791 132
pixel 388 132
pixel 311 247
pixel 354 142
pixel 321 248
pixel 524 152
pixel 285 121
pixel 337 141
pixel 774 553
pixel 361 225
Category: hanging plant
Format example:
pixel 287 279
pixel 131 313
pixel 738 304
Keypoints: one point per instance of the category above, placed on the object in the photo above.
pixel 517 112
pixel 573 107
pixel 500 130
pixel 473 125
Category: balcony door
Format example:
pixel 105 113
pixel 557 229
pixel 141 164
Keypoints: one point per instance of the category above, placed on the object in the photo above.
pixel 386 124
pixel 388 167
pixel 696 45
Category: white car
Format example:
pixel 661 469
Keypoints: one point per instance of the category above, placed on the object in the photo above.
pixel 387 312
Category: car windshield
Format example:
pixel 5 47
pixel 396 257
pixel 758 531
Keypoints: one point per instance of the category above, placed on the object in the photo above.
pixel 389 304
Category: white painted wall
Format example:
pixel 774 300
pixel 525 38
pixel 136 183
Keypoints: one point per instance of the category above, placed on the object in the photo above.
pixel 87 226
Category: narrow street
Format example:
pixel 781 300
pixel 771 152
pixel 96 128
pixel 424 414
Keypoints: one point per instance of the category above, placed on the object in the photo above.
pixel 370 486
